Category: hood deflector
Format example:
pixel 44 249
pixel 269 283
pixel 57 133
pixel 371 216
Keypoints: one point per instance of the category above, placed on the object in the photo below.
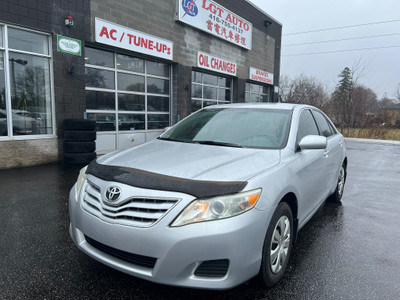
pixel 148 180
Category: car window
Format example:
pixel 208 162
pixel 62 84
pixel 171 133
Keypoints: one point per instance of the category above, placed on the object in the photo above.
pixel 244 127
pixel 307 125
pixel 322 123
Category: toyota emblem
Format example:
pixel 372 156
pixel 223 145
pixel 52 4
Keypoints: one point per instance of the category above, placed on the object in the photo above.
pixel 113 193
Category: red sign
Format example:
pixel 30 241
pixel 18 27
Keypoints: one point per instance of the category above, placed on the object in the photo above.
pixel 209 62
pixel 261 76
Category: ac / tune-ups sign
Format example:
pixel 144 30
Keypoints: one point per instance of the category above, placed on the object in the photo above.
pixel 215 19
pixel 120 36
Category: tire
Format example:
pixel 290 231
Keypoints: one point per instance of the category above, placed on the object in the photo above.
pixel 76 124
pixel 79 158
pixel 79 136
pixel 79 147
pixel 337 195
pixel 273 267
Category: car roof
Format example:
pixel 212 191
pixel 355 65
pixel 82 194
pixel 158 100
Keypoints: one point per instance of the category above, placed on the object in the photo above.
pixel 268 105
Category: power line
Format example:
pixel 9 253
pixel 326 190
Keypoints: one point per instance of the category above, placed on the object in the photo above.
pixel 342 27
pixel 340 40
pixel 339 51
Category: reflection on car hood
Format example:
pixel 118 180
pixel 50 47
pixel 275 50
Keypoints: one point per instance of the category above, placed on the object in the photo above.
pixel 194 161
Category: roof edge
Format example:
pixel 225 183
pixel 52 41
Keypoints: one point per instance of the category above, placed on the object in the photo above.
pixel 261 10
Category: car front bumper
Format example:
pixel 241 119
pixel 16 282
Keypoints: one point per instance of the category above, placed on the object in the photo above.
pixel 178 251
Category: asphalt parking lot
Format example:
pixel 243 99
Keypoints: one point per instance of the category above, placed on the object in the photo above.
pixel 351 251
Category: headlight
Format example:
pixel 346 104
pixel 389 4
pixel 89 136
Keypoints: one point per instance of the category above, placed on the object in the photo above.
pixel 217 208
pixel 80 181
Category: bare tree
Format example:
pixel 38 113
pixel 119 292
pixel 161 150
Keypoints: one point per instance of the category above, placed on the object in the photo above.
pixel 364 104
pixel 306 90
pixel 284 87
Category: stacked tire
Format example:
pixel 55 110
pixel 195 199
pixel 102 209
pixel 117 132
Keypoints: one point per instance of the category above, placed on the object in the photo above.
pixel 79 141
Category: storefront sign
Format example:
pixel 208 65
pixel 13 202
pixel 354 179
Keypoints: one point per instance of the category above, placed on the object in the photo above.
pixel 213 18
pixel 122 37
pixel 209 62
pixel 261 76
pixel 69 45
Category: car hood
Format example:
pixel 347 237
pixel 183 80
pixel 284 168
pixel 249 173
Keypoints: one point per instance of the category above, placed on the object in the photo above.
pixel 194 161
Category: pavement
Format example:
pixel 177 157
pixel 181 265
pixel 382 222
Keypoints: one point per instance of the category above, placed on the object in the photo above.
pixel 348 251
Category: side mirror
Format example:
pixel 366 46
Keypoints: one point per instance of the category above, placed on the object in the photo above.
pixel 313 142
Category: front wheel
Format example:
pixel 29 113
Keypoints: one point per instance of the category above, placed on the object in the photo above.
pixel 338 193
pixel 277 246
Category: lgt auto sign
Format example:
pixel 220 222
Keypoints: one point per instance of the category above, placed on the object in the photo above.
pixel 215 19
pixel 119 36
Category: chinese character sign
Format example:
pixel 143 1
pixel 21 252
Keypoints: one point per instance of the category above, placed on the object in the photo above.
pixel 215 19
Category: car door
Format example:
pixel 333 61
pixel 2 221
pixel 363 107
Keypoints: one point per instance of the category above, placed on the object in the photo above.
pixel 309 169
pixel 334 150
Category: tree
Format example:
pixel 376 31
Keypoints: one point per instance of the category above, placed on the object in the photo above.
pixel 398 92
pixel 284 86
pixel 305 90
pixel 364 106
pixel 342 98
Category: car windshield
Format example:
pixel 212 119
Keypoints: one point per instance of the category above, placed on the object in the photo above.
pixel 234 127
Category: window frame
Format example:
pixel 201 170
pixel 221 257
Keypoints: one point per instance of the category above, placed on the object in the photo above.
pixel 202 100
pixel 315 113
pixel 4 48
pixel 298 125
pixel 117 91
pixel 248 93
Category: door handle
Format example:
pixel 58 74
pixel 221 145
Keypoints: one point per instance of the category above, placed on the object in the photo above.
pixel 341 143
pixel 326 153
pixel 132 140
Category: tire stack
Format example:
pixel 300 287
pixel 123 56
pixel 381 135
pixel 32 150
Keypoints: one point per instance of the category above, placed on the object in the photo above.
pixel 79 141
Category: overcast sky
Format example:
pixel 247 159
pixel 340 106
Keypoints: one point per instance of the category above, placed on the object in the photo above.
pixel 382 66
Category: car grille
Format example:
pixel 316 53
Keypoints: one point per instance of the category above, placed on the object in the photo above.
pixel 135 211
pixel 135 259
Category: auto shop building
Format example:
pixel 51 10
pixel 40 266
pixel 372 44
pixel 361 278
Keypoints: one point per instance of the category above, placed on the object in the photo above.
pixel 135 67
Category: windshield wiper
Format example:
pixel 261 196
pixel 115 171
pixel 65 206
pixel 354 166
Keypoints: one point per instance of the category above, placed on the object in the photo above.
pixel 172 140
pixel 216 143
pixel 165 139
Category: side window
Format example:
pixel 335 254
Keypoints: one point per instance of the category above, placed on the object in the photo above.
pixel 307 125
pixel 323 125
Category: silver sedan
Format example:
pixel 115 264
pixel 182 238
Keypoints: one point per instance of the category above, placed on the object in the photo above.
pixel 214 201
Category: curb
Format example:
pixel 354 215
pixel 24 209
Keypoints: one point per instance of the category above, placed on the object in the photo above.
pixel 372 141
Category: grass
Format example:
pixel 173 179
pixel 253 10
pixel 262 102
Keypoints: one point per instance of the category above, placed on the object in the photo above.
pixel 380 133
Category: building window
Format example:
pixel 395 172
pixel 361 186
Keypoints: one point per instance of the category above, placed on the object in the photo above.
pixel 26 103
pixel 257 93
pixel 210 89
pixel 126 93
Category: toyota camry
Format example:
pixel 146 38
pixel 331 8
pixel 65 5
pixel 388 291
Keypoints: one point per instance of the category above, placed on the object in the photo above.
pixel 217 199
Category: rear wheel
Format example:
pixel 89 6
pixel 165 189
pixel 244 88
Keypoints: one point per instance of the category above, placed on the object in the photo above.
pixel 277 246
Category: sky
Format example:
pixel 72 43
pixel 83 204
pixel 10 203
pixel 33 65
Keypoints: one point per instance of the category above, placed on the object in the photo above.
pixel 379 69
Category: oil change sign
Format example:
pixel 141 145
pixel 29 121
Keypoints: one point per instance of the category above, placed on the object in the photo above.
pixel 215 19
pixel 122 37
pixel 209 62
